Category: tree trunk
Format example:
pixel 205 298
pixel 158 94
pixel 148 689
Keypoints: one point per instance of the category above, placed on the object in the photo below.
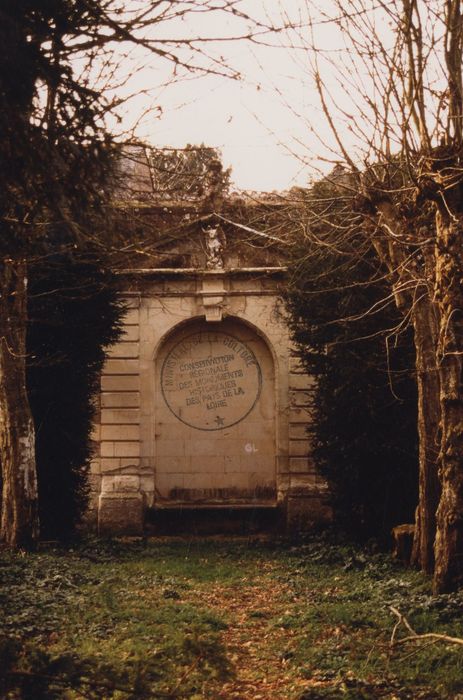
pixel 425 332
pixel 448 573
pixel 19 526
pixel 424 315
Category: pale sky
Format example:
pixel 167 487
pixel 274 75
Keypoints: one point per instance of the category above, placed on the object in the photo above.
pixel 268 124
pixel 260 136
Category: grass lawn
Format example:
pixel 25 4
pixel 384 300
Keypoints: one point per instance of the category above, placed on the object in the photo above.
pixel 179 618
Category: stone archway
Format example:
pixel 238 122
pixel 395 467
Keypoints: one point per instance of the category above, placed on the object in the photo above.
pixel 215 416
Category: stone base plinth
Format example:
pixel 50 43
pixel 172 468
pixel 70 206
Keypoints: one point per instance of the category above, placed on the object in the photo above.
pixel 121 514
pixel 305 513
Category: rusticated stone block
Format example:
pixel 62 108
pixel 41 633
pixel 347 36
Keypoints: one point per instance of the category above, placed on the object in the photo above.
pixel 124 416
pixel 121 513
pixel 298 448
pixel 130 333
pixel 117 382
pixel 131 318
pixel 124 350
pixel 301 381
pixel 120 432
pixel 120 399
pixel 127 449
pixel 121 367
pixel 120 483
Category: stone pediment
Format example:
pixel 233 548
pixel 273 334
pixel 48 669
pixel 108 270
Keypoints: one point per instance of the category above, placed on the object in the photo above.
pixel 179 236
pixel 178 213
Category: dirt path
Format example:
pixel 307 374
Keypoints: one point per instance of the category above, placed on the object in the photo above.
pixel 259 649
pixel 222 620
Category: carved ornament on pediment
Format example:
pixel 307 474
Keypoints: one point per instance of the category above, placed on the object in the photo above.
pixel 215 243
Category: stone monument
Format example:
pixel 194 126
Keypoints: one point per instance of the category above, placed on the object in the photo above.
pixel 203 402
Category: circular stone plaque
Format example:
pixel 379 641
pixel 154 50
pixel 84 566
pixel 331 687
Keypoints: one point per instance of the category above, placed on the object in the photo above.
pixel 211 380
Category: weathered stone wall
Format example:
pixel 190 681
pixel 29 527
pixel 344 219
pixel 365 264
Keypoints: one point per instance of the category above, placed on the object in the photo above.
pixel 131 470
pixel 115 471
pixel 215 438
pixel 307 491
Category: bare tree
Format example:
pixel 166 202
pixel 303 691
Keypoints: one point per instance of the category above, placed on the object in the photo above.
pixel 390 90
pixel 61 78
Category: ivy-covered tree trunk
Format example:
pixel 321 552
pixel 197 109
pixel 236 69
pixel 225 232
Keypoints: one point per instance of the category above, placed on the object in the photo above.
pixel 19 499
pixel 425 333
pixel 448 573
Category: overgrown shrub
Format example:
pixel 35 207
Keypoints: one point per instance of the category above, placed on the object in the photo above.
pixel 74 313
pixel 350 336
